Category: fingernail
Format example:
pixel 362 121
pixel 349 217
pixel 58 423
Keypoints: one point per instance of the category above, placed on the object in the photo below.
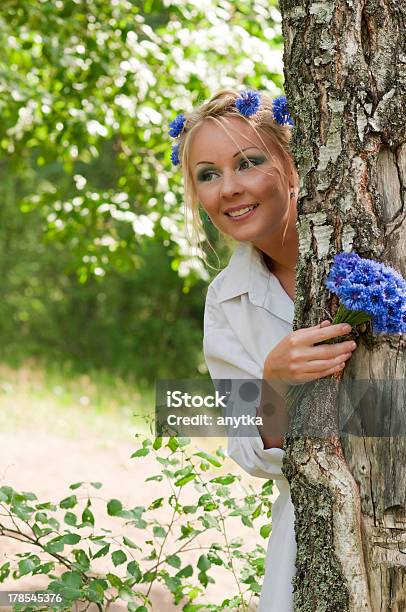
pixel 353 345
pixel 347 327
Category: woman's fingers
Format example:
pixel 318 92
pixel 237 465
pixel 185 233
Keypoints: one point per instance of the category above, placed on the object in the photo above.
pixel 323 365
pixel 311 335
pixel 324 373
pixel 324 323
pixel 328 351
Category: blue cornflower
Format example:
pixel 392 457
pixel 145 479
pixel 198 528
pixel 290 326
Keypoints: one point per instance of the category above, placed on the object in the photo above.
pixel 176 126
pixel 175 155
pixel 353 296
pixel 248 102
pixel 280 111
pixel 368 290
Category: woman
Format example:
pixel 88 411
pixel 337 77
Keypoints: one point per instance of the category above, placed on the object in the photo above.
pixel 237 166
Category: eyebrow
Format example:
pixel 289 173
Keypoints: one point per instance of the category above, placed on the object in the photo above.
pixel 235 155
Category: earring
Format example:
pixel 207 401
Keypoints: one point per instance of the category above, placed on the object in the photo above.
pixel 293 194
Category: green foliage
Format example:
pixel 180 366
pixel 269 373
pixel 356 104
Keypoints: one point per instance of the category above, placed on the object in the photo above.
pixel 96 266
pixel 90 89
pixel 67 544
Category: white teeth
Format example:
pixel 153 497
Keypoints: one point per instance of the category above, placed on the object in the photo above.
pixel 241 211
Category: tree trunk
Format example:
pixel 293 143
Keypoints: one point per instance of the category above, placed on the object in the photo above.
pixel 345 65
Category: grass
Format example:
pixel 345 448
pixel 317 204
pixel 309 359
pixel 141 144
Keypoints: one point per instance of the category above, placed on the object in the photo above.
pixel 56 400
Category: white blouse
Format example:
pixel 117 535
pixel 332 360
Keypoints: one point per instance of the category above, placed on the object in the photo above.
pixel 247 313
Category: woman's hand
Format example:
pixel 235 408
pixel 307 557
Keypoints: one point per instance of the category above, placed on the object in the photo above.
pixel 296 360
pixel 293 361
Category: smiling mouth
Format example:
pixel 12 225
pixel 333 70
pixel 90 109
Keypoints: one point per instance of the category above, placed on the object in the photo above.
pixel 241 211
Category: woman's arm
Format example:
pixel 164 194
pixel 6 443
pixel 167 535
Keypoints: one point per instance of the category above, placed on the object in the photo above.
pixel 227 358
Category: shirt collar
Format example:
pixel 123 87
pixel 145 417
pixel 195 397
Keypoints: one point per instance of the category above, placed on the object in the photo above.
pixel 247 273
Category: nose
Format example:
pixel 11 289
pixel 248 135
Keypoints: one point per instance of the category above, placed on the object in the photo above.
pixel 231 185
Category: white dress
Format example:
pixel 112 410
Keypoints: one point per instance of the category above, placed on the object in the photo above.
pixel 247 313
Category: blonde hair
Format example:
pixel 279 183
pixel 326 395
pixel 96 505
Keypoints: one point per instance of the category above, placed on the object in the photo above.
pixel 219 109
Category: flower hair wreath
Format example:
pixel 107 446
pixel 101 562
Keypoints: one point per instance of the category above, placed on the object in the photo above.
pixel 248 103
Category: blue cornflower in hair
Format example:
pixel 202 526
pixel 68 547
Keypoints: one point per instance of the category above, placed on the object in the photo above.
pixel 176 126
pixel 280 111
pixel 175 155
pixel 368 290
pixel 248 102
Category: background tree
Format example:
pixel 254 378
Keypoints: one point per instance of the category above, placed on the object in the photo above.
pixel 345 81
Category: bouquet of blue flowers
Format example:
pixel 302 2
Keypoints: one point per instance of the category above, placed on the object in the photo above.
pixel 368 290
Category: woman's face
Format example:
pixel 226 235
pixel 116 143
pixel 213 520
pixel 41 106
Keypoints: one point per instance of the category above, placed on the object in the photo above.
pixel 247 200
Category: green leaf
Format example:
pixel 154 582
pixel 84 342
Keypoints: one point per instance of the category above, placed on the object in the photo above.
pixel 213 557
pixel 157 503
pixel 76 485
pixel 189 509
pixel 45 568
pixel 55 545
pixel 203 563
pixel 265 530
pixel 114 507
pixel 70 519
pixel 96 485
pixel 246 520
pixel 72 579
pixel 173 444
pixel 4 571
pixel 185 572
pixel 87 517
pixel 172 583
pixel 130 543
pixel 159 532
pixel 257 511
pixel 71 538
pixel 133 568
pixel 208 458
pixel 210 521
pixel 157 443
pixel 69 502
pixel 118 557
pixel 158 477
pixel 82 559
pixel 141 452
pixel 182 481
pixel 267 488
pixel 26 566
pixel 102 552
pixel 224 480
pixel 37 531
pixel 114 580
pixel 174 561
pixel 95 590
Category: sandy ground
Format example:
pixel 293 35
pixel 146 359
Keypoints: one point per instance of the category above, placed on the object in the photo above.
pixel 47 463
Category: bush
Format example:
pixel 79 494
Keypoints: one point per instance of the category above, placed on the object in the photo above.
pixel 67 541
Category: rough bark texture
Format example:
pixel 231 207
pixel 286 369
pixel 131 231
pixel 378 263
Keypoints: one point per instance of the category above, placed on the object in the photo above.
pixel 345 63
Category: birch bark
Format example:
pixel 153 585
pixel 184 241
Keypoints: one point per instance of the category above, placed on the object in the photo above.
pixel 345 69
